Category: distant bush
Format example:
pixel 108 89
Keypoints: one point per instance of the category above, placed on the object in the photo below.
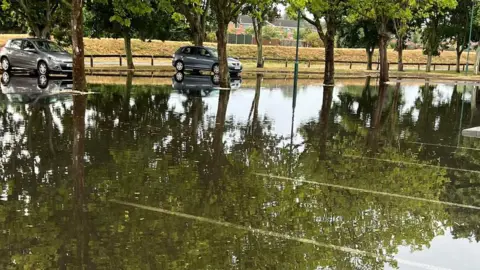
pixel 211 37
pixel 313 40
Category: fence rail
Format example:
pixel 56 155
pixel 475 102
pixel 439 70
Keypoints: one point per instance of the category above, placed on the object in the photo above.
pixel 309 62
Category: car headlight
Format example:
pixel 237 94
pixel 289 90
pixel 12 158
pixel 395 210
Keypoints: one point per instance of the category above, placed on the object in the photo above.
pixel 54 59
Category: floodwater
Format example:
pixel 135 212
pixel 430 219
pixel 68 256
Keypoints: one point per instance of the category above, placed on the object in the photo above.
pixel 185 176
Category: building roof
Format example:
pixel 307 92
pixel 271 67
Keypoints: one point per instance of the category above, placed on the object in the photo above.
pixel 285 23
pixel 246 20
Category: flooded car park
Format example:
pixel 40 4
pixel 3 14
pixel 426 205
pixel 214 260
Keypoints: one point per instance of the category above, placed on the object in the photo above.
pixel 353 176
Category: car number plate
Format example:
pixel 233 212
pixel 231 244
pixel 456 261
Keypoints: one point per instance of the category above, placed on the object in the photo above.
pixel 69 65
pixel 237 67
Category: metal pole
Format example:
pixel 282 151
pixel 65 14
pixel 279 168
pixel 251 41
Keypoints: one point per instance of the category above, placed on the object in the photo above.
pixel 295 74
pixel 469 37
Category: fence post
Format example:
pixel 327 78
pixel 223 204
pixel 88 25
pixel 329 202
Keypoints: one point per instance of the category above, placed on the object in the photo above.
pixel 350 65
pixel 286 62
pixel 448 67
pixel 120 60
pixel 418 66
pixel 434 67
pixel 152 61
pixel 309 63
pixel 91 60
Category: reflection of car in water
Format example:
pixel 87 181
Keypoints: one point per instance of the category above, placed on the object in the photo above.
pixel 201 85
pixel 24 89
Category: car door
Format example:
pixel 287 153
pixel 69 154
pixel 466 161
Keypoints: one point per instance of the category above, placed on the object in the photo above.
pixel 205 59
pixel 14 51
pixel 189 57
pixel 29 55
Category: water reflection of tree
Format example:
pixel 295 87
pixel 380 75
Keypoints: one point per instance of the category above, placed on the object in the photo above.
pixel 402 220
pixel 138 149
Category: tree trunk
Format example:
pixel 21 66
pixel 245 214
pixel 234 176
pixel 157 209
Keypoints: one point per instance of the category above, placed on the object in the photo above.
pixel 45 34
pixel 128 50
pixel 79 81
pixel 222 53
pixel 257 29
pixel 429 61
pixel 324 116
pixel 375 122
pixel 400 54
pixel 259 39
pixel 124 116
pixel 329 74
pixel 198 30
pixel 383 56
pixel 328 78
pixel 220 125
pixel 370 52
pixel 255 127
pixel 79 107
pixel 459 55
pixel 198 38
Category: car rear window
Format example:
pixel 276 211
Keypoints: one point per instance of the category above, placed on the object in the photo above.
pixel 15 44
pixel 188 50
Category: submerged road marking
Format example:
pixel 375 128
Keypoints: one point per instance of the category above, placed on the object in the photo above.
pixel 370 191
pixel 412 163
pixel 444 145
pixel 278 235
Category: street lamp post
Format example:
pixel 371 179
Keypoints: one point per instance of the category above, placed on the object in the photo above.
pixel 295 72
pixel 470 37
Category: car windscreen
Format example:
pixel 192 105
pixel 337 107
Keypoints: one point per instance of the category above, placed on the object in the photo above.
pixel 214 52
pixel 48 46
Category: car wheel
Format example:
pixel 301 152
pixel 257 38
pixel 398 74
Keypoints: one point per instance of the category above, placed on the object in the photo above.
pixel 42 68
pixel 5 64
pixel 216 69
pixel 42 81
pixel 179 66
pixel 5 78
pixel 216 79
pixel 179 76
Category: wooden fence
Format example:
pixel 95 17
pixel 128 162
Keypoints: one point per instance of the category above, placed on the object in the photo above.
pixel 286 61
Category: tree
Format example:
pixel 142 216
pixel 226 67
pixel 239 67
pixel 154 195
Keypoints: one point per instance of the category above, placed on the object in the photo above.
pixel 78 48
pixel 225 11
pixel 10 21
pixel 382 12
pixel 195 13
pixel 261 12
pixel 431 36
pixel 402 27
pixel 128 19
pixel 332 12
pixel 458 26
pixel 39 15
pixel 360 34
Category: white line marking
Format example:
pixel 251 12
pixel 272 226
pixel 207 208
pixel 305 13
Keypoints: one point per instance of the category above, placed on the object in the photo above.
pixel 444 145
pixel 370 191
pixel 278 235
pixel 412 163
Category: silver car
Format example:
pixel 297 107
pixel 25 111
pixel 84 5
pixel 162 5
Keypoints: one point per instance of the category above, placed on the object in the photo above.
pixel 202 58
pixel 40 55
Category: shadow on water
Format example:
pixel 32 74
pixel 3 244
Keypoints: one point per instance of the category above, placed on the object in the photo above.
pixel 191 148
